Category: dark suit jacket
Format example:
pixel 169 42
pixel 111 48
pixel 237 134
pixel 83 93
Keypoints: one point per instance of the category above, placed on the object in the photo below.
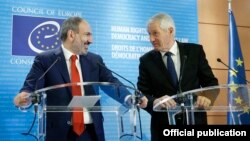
pixel 154 81
pixel 58 124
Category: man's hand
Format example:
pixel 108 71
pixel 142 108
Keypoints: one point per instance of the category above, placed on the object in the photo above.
pixel 22 99
pixel 203 102
pixel 165 102
pixel 143 102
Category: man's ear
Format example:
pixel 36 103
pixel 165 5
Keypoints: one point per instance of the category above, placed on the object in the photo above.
pixel 71 34
pixel 171 30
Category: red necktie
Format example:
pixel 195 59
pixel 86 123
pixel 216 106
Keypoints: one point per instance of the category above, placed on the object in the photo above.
pixel 78 119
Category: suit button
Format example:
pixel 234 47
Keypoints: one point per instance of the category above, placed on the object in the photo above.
pixel 69 123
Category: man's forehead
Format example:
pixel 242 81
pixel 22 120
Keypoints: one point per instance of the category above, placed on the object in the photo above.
pixel 85 27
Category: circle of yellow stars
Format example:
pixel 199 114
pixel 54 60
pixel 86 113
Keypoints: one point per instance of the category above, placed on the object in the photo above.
pixel 44 46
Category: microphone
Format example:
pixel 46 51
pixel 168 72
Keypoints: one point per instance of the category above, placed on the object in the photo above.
pixel 35 98
pixel 181 98
pixel 57 59
pixel 102 65
pixel 220 61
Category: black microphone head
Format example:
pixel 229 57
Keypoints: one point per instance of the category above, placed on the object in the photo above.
pixel 218 60
pixel 59 58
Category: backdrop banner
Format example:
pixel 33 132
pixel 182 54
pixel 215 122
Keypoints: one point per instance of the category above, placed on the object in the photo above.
pixel 120 37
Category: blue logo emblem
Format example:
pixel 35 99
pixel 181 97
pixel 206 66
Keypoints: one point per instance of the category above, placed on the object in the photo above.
pixel 32 35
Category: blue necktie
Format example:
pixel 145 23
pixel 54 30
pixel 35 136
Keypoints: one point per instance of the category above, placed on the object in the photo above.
pixel 171 69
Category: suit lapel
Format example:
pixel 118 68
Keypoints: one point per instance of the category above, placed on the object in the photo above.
pixel 61 65
pixel 183 50
pixel 85 67
pixel 160 64
pixel 182 54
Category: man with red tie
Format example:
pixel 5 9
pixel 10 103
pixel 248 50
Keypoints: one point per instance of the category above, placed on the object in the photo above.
pixel 76 64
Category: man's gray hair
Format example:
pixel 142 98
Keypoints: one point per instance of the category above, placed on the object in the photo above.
pixel 165 20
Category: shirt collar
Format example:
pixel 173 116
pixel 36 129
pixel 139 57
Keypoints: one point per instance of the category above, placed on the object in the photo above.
pixel 67 53
pixel 173 49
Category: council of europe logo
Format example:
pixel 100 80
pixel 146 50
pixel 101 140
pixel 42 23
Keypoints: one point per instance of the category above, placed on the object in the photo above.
pixel 32 35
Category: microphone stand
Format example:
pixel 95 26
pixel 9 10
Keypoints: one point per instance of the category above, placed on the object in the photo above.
pixel 182 100
pixel 135 101
pixel 36 99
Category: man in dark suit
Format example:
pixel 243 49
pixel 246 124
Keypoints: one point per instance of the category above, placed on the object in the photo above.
pixel 76 36
pixel 157 83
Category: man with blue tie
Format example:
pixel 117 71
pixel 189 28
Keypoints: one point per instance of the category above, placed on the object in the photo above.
pixel 160 70
pixel 76 64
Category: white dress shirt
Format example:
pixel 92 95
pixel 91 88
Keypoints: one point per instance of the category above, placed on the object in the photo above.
pixel 175 57
pixel 68 54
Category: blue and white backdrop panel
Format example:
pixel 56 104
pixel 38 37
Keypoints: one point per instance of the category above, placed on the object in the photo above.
pixel 120 37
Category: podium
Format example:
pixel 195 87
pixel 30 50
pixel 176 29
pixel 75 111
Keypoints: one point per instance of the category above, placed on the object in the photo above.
pixel 101 99
pixel 228 100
